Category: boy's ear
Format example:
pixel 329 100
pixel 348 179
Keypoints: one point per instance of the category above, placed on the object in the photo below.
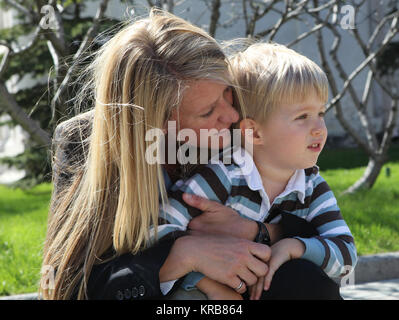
pixel 250 131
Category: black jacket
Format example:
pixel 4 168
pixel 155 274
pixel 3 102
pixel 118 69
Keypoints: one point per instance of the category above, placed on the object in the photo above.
pixel 129 277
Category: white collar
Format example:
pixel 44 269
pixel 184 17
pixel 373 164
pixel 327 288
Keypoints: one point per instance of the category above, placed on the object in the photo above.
pixel 252 176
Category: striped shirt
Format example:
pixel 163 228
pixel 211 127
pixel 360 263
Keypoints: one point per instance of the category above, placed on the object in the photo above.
pixel 307 195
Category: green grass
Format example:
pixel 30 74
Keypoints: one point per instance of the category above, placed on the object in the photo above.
pixel 372 215
pixel 23 224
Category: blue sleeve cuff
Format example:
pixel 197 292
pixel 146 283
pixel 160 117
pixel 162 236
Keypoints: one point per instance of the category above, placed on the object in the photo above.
pixel 314 250
pixel 190 281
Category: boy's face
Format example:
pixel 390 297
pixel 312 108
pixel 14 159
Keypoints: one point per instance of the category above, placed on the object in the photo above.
pixel 294 135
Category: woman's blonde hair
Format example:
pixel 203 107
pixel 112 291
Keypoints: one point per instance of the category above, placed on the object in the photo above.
pixel 269 74
pixel 139 77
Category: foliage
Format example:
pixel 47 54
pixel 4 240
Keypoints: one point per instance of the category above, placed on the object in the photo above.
pixel 36 65
pixel 388 62
pixel 35 161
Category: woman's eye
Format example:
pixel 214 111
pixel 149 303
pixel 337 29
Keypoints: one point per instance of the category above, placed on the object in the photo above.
pixel 208 114
pixel 228 93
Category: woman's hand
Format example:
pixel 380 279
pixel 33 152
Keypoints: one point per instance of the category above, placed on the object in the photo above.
pixel 256 290
pixel 219 219
pixel 225 259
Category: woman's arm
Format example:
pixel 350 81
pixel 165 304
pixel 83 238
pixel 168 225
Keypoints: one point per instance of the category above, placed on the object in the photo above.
pixel 221 258
pixel 129 276
pixel 225 259
pixel 219 219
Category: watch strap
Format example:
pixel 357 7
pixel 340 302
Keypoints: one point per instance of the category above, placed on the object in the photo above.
pixel 263 235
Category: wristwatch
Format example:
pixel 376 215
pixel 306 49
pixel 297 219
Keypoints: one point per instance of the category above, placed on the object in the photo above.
pixel 263 235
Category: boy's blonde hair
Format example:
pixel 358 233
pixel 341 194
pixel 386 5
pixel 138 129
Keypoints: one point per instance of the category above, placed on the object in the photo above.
pixel 269 74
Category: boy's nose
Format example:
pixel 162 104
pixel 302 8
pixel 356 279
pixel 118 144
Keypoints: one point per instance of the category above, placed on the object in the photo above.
pixel 319 129
pixel 317 132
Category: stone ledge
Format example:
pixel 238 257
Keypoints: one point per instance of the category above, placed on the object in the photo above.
pixel 377 267
pixel 27 296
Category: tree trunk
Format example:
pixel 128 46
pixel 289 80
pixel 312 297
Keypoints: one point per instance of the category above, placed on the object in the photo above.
pixel 18 115
pixel 370 175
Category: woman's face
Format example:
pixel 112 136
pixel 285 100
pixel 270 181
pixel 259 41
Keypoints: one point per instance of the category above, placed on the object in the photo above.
pixel 207 105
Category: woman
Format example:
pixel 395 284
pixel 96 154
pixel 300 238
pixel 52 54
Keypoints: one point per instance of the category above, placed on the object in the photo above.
pixel 154 70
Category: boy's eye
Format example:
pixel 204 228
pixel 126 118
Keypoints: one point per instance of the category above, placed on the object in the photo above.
pixel 322 114
pixel 304 116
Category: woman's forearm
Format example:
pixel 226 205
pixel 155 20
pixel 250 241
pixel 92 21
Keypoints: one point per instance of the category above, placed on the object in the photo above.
pixel 178 262
pixel 225 259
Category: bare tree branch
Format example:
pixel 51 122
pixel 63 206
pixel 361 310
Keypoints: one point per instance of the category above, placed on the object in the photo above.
pixel 366 51
pixel 8 101
pixel 22 9
pixel 90 34
pixel 215 15
pixel 245 13
pixel 334 88
pixel 306 34
pixel 25 48
pixel 390 35
pixel 18 114
pixel 283 18
pixel 57 35
pixel 376 151
pixel 5 60
pixel 251 20
pixel 292 11
pixel 379 27
pixel 361 108
pixel 60 32
pixel 318 9
pixel 367 88
pixel 10 52
pixel 389 126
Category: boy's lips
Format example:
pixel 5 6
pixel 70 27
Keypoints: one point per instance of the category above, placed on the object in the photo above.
pixel 315 146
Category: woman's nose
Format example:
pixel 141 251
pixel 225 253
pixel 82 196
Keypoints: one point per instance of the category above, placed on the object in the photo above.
pixel 228 114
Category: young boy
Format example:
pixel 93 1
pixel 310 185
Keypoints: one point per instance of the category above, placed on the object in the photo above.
pixel 283 94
